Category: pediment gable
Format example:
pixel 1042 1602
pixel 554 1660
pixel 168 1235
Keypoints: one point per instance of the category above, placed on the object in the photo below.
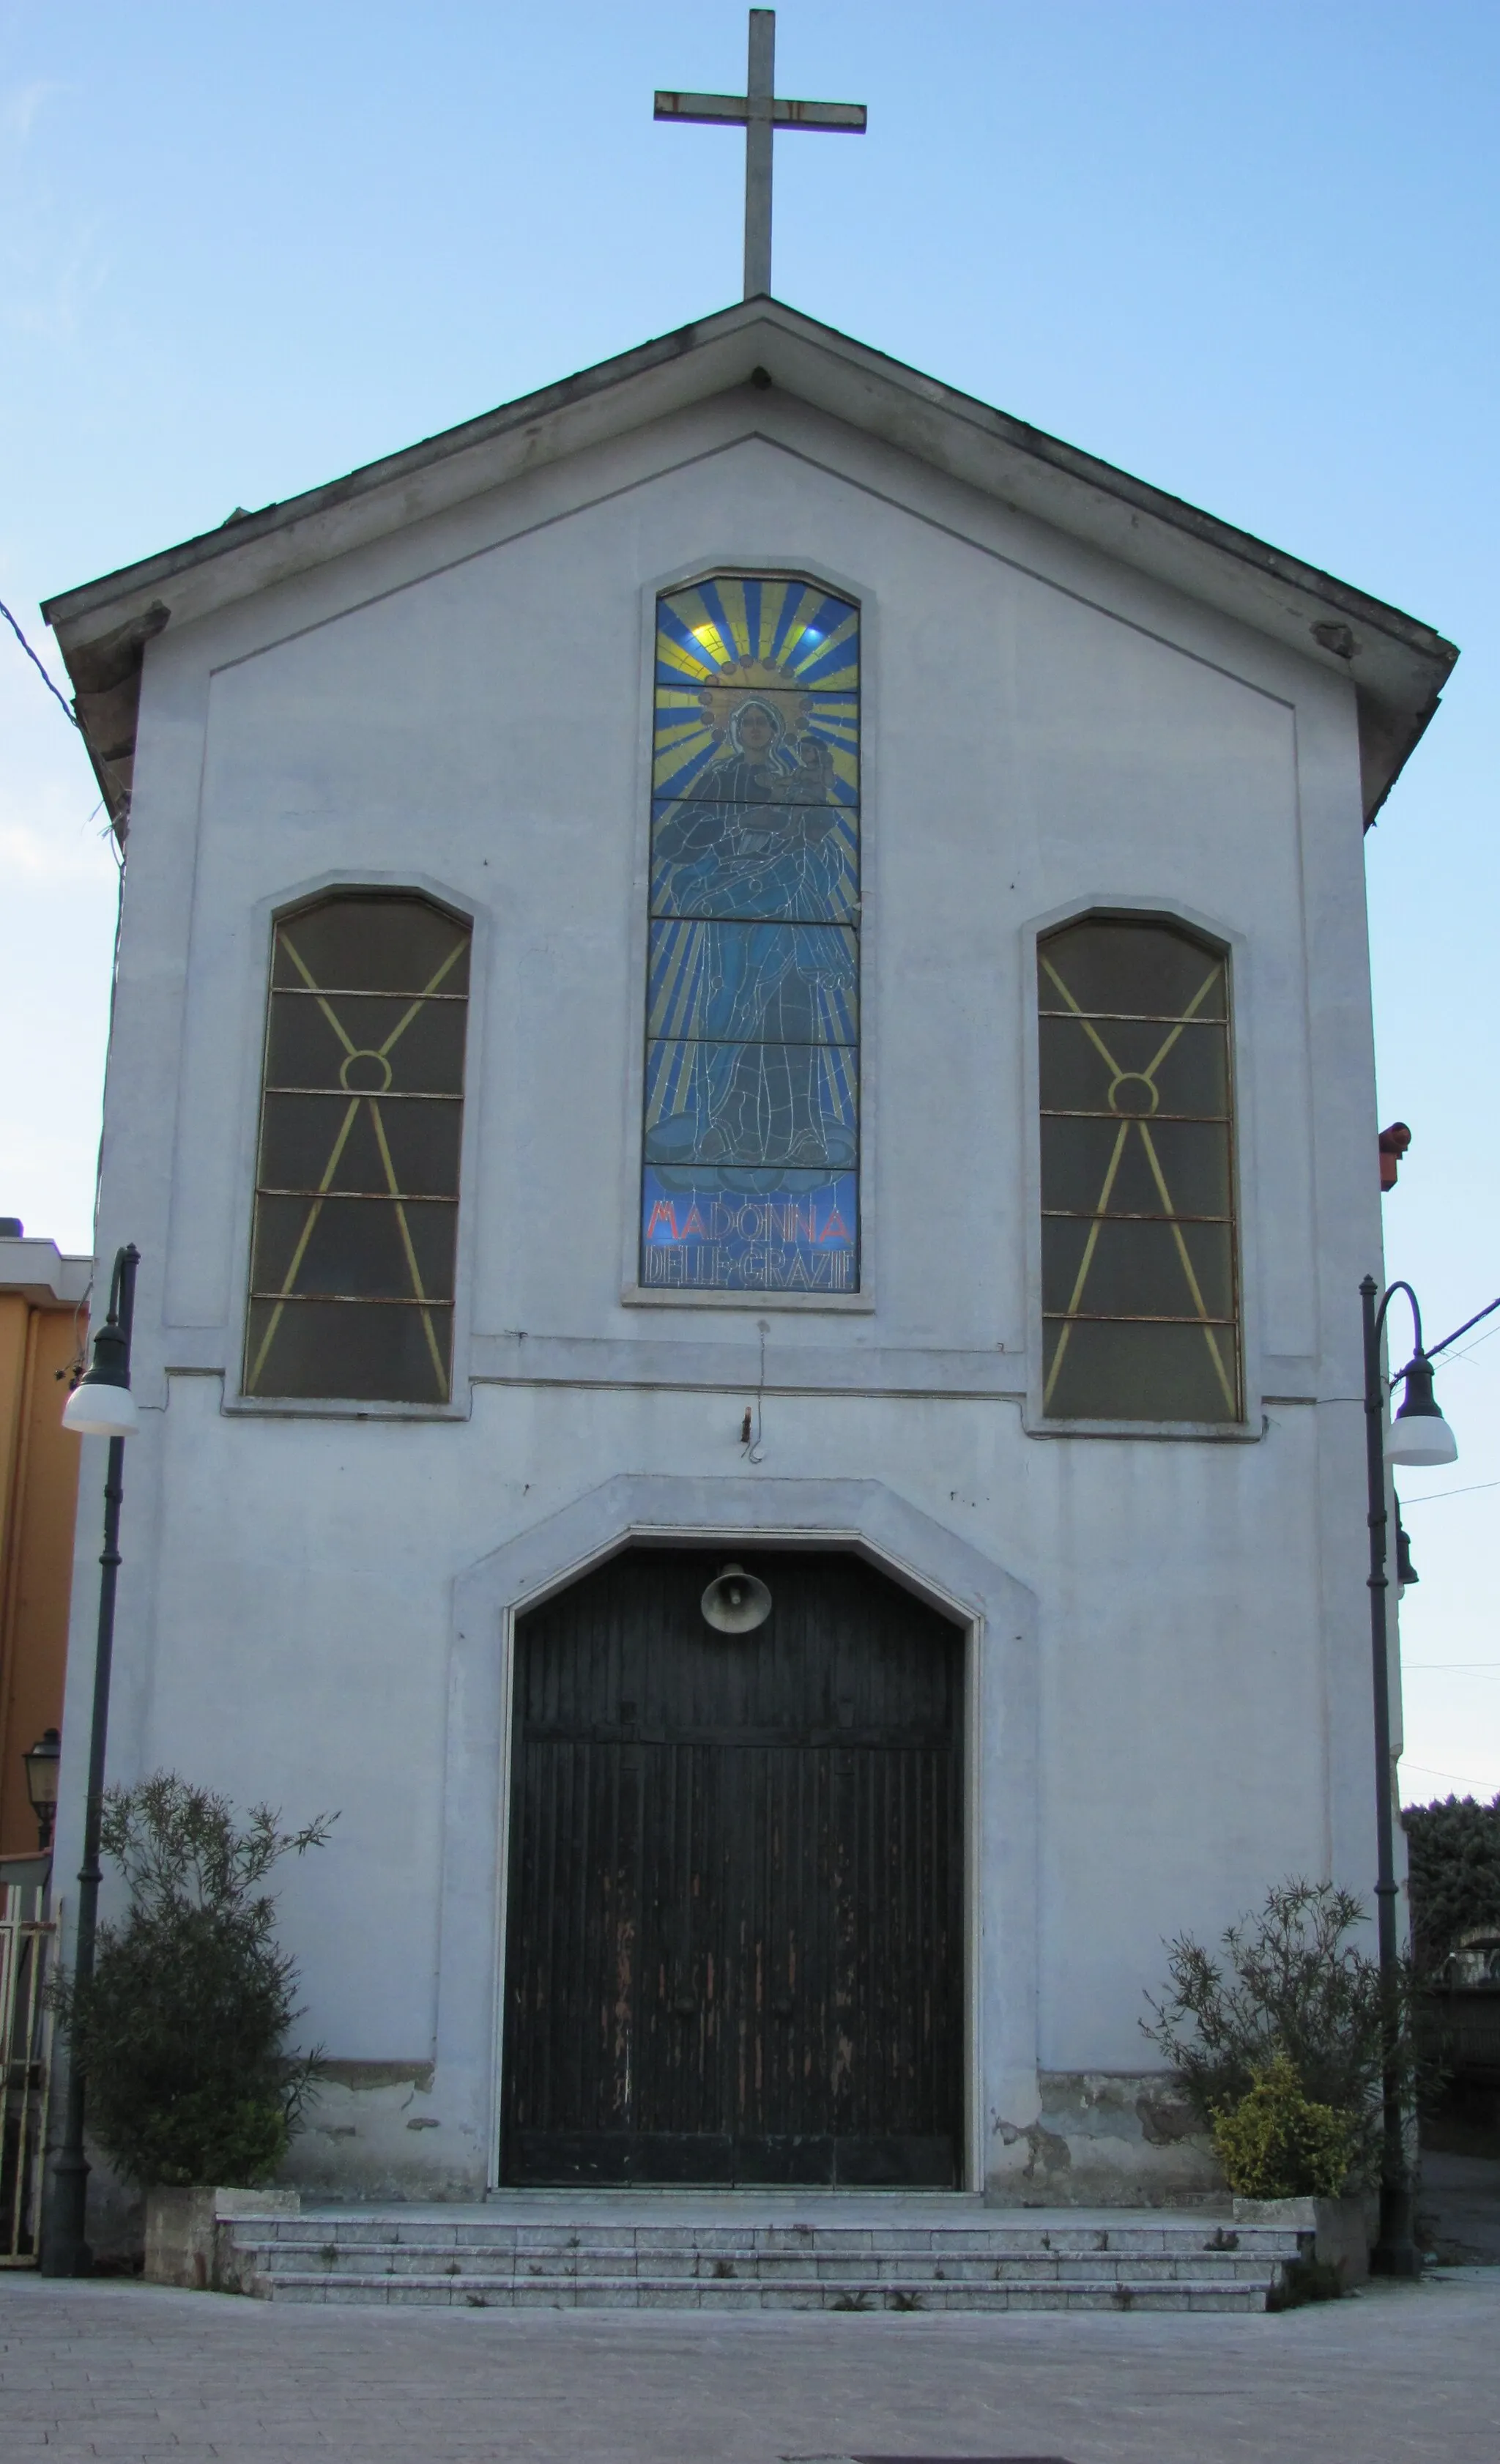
pixel 1396 663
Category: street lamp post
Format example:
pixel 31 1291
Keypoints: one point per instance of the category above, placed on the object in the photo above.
pixel 1418 1434
pixel 1428 1440
pixel 101 1405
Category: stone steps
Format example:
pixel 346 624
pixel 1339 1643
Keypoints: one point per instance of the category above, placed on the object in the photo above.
pixel 675 2292
pixel 485 2262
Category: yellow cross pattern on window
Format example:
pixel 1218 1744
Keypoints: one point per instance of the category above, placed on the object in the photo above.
pixel 363 1070
pixel 1133 1098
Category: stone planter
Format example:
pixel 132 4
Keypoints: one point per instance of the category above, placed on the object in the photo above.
pixel 184 2245
pixel 1337 2230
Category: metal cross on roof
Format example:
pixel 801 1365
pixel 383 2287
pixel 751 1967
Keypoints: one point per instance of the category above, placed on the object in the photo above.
pixel 759 112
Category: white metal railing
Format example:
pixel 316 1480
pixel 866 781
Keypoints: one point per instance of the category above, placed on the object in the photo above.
pixel 28 1940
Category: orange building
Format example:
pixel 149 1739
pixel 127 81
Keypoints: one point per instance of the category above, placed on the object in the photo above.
pixel 41 1323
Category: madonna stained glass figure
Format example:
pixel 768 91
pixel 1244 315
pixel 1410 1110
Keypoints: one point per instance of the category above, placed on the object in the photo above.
pixel 752 1125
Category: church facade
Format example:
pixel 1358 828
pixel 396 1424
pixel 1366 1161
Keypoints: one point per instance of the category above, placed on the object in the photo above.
pixel 746 963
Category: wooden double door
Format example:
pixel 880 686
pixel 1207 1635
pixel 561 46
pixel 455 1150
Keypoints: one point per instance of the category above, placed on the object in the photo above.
pixel 734 1948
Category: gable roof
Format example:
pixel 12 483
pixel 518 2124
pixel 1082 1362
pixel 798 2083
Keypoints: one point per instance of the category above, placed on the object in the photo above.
pixel 1396 664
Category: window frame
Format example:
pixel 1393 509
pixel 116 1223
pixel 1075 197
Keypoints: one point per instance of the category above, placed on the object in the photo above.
pixel 1128 908
pixel 632 1292
pixel 269 914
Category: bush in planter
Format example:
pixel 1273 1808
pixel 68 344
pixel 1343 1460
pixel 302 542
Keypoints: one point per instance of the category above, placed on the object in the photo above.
pixel 182 2028
pixel 1289 1982
pixel 1276 2143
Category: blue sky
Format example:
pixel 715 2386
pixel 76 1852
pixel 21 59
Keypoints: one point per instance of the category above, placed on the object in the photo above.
pixel 1245 251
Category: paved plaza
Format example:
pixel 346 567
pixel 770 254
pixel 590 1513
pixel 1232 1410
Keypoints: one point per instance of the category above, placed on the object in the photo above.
pixel 122 2372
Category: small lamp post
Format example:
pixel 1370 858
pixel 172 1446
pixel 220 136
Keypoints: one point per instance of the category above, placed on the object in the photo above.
pixel 1418 1434
pixel 101 1405
pixel 41 1783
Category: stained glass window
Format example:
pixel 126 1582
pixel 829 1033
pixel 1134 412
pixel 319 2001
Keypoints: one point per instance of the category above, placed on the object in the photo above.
pixel 751 1158
pixel 357 1184
pixel 1139 1281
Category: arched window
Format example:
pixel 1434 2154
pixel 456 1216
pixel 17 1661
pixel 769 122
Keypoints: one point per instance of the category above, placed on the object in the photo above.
pixel 750 1177
pixel 352 1282
pixel 1139 1279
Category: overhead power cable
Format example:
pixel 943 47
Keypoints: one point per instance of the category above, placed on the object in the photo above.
pixel 1435 1496
pixel 66 708
pixel 1460 1779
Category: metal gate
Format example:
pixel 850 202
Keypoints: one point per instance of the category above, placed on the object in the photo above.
pixel 28 1936
pixel 735 1943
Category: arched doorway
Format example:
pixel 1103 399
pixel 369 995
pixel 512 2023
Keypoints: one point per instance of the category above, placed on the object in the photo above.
pixel 735 1930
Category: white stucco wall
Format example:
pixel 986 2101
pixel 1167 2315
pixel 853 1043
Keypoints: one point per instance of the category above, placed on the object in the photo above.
pixel 1172 1663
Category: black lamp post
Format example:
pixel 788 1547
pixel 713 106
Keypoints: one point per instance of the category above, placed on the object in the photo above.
pixel 101 1405
pixel 1418 1434
pixel 41 1783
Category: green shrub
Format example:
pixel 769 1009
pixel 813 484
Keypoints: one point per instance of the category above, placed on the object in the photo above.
pixel 1453 1853
pixel 1289 1982
pixel 1276 2143
pixel 181 2029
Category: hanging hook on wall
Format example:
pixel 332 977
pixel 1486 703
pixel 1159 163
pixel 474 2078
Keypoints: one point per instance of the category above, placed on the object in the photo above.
pixel 750 1427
